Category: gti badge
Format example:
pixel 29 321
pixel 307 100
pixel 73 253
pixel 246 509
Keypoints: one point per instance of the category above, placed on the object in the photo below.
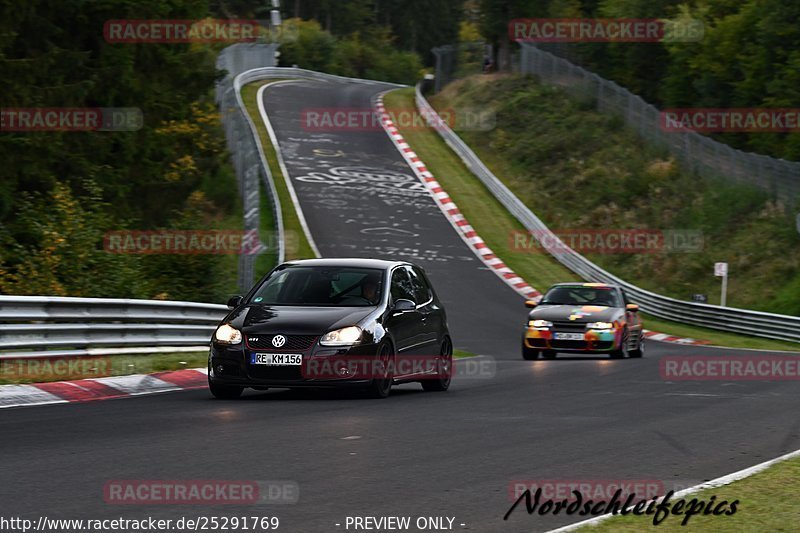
pixel 278 341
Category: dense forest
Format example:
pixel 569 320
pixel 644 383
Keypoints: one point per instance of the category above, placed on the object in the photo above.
pixel 748 57
pixel 60 192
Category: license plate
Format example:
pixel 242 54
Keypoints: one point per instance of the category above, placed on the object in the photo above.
pixel 276 359
pixel 568 336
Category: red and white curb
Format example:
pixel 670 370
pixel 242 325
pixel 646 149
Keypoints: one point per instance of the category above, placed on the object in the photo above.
pixel 663 337
pixel 451 211
pixel 86 390
pixel 468 233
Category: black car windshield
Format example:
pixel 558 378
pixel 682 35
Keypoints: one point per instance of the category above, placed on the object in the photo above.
pixel 321 286
pixel 581 295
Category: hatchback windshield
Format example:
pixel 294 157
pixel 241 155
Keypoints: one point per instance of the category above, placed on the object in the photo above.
pixel 321 286
pixel 581 296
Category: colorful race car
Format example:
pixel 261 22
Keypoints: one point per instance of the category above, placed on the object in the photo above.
pixel 583 318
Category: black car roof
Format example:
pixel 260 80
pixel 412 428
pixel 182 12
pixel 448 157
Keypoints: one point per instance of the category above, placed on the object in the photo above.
pixel 586 284
pixel 348 261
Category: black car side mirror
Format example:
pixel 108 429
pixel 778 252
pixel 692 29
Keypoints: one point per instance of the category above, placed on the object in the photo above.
pixel 401 305
pixel 235 301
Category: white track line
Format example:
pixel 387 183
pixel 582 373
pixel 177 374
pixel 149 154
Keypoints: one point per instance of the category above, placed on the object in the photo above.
pixel 449 209
pixel 714 483
pixel 276 146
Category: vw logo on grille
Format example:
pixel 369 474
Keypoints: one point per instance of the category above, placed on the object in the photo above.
pixel 278 341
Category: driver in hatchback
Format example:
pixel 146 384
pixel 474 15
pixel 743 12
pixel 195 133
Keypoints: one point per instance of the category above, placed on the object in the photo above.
pixel 369 289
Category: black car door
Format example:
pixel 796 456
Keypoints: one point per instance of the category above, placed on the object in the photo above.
pixel 430 312
pixel 405 326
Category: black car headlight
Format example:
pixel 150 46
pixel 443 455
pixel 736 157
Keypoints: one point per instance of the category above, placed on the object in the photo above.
pixel 342 337
pixel 227 334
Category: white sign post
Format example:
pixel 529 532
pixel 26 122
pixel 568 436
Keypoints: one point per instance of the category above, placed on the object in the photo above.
pixel 721 270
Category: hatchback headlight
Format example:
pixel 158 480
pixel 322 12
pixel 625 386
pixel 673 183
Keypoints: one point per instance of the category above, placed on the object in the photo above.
pixel 341 337
pixel 540 324
pixel 227 334
pixel 599 325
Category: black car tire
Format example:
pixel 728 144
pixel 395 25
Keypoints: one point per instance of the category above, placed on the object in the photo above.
pixel 224 392
pixel 623 350
pixel 529 354
pixel 549 354
pixel 446 369
pixel 639 351
pixel 380 388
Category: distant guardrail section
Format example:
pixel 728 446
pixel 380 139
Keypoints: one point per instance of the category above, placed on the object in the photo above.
pixel 38 326
pixel 748 322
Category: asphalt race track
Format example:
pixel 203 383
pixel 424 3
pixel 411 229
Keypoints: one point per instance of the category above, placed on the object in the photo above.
pixel 361 199
pixel 414 454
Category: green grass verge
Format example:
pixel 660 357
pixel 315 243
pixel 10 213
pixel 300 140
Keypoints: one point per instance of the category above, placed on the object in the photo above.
pixel 458 354
pixel 495 225
pixel 43 370
pixel 582 170
pixel 297 246
pixel 717 338
pixel 767 502
pixel 266 261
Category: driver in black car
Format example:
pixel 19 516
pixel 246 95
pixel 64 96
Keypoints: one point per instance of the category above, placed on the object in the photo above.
pixel 369 289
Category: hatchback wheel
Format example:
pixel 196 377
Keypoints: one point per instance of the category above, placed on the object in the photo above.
pixel 622 351
pixel 444 370
pixel 529 354
pixel 382 386
pixel 224 392
pixel 639 351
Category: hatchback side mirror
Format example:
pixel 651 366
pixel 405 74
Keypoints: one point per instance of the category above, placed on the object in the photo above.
pixel 632 307
pixel 401 305
pixel 530 304
pixel 235 301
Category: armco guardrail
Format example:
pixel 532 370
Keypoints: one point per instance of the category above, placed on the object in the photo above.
pixel 30 325
pixel 253 151
pixel 244 146
pixel 699 153
pixel 37 326
pixel 744 321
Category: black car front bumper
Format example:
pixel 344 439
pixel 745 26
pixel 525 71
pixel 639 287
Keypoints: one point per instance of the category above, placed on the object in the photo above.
pixel 230 365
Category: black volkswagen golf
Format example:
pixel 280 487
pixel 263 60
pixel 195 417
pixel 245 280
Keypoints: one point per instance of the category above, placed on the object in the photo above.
pixel 362 323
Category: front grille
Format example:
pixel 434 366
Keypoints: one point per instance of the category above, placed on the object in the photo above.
pixel 569 345
pixel 580 345
pixel 294 343
pixel 293 372
pixel 569 326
